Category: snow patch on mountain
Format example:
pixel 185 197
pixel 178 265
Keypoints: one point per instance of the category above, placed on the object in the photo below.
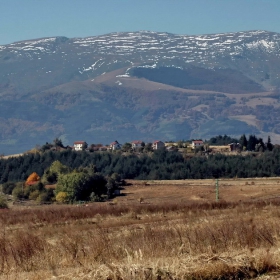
pixel 97 54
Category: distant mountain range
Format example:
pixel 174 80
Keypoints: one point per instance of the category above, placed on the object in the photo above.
pixel 139 85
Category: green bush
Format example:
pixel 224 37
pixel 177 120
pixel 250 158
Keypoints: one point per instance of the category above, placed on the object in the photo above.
pixel 3 202
pixel 94 197
pixel 18 193
pixel 30 189
pixel 7 188
pixel 80 185
pixel 46 196
pixel 62 197
pixel 34 195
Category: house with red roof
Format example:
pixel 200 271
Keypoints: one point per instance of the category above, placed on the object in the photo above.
pixel 80 145
pixel 197 143
pixel 136 144
pixel 158 145
pixel 115 146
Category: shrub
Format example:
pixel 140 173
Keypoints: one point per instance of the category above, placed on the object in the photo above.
pixel 30 189
pixel 3 202
pixel 94 197
pixel 42 197
pixel 18 193
pixel 80 185
pixel 8 187
pixel 46 196
pixel 62 197
pixel 34 195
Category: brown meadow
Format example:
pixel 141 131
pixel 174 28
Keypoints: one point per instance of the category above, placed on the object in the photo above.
pixel 156 230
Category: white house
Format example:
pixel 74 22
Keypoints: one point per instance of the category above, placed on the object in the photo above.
pixel 158 145
pixel 136 144
pixel 197 143
pixel 80 145
pixel 115 145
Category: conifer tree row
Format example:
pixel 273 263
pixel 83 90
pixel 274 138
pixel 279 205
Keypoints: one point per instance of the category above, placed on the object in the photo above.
pixel 149 166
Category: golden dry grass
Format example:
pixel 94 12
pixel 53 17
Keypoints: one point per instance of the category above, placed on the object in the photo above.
pixel 178 231
pixel 201 190
pixel 14 155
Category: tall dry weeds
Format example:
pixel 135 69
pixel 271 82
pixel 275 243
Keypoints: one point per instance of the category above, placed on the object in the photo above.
pixel 203 241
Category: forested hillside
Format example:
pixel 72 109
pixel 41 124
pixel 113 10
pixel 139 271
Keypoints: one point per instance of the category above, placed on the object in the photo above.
pixel 156 166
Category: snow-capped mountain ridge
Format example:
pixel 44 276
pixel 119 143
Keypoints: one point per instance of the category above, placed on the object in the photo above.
pixel 152 45
pixel 87 58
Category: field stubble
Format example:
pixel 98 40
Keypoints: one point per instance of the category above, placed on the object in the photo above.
pixel 189 236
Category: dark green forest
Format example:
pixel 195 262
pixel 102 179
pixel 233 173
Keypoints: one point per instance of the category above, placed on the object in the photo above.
pixel 158 165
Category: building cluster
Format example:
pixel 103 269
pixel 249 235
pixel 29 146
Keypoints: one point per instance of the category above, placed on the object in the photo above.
pixel 156 145
pixel 82 145
pixel 194 145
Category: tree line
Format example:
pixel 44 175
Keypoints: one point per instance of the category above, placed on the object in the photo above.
pixel 157 165
pixel 252 143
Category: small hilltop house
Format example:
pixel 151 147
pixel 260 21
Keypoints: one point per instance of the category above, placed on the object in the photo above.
pixel 197 143
pixel 158 145
pixel 115 146
pixel 136 144
pixel 80 145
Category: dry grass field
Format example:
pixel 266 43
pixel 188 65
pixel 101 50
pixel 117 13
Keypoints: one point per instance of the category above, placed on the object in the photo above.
pixel 187 191
pixel 154 230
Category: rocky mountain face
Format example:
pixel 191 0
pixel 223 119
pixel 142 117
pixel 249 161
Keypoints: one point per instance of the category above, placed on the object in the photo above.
pixel 139 85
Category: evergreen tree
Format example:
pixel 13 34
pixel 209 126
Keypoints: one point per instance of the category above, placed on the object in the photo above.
pixel 252 143
pixel 57 142
pixel 126 147
pixel 269 145
pixel 243 142
pixel 148 147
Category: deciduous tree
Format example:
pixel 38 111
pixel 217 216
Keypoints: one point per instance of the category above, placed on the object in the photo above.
pixel 34 177
pixel 79 185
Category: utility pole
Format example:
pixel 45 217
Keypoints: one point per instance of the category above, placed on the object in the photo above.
pixel 22 192
pixel 217 190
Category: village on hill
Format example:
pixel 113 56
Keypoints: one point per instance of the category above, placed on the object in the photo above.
pixel 218 144
pixel 82 172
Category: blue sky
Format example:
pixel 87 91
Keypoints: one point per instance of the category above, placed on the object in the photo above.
pixel 28 19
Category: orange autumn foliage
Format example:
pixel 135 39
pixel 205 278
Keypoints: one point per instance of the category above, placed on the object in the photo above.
pixel 34 177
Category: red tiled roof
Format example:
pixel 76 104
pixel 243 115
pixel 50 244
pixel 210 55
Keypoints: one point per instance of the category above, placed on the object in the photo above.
pixel 136 142
pixel 197 141
pixel 79 142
